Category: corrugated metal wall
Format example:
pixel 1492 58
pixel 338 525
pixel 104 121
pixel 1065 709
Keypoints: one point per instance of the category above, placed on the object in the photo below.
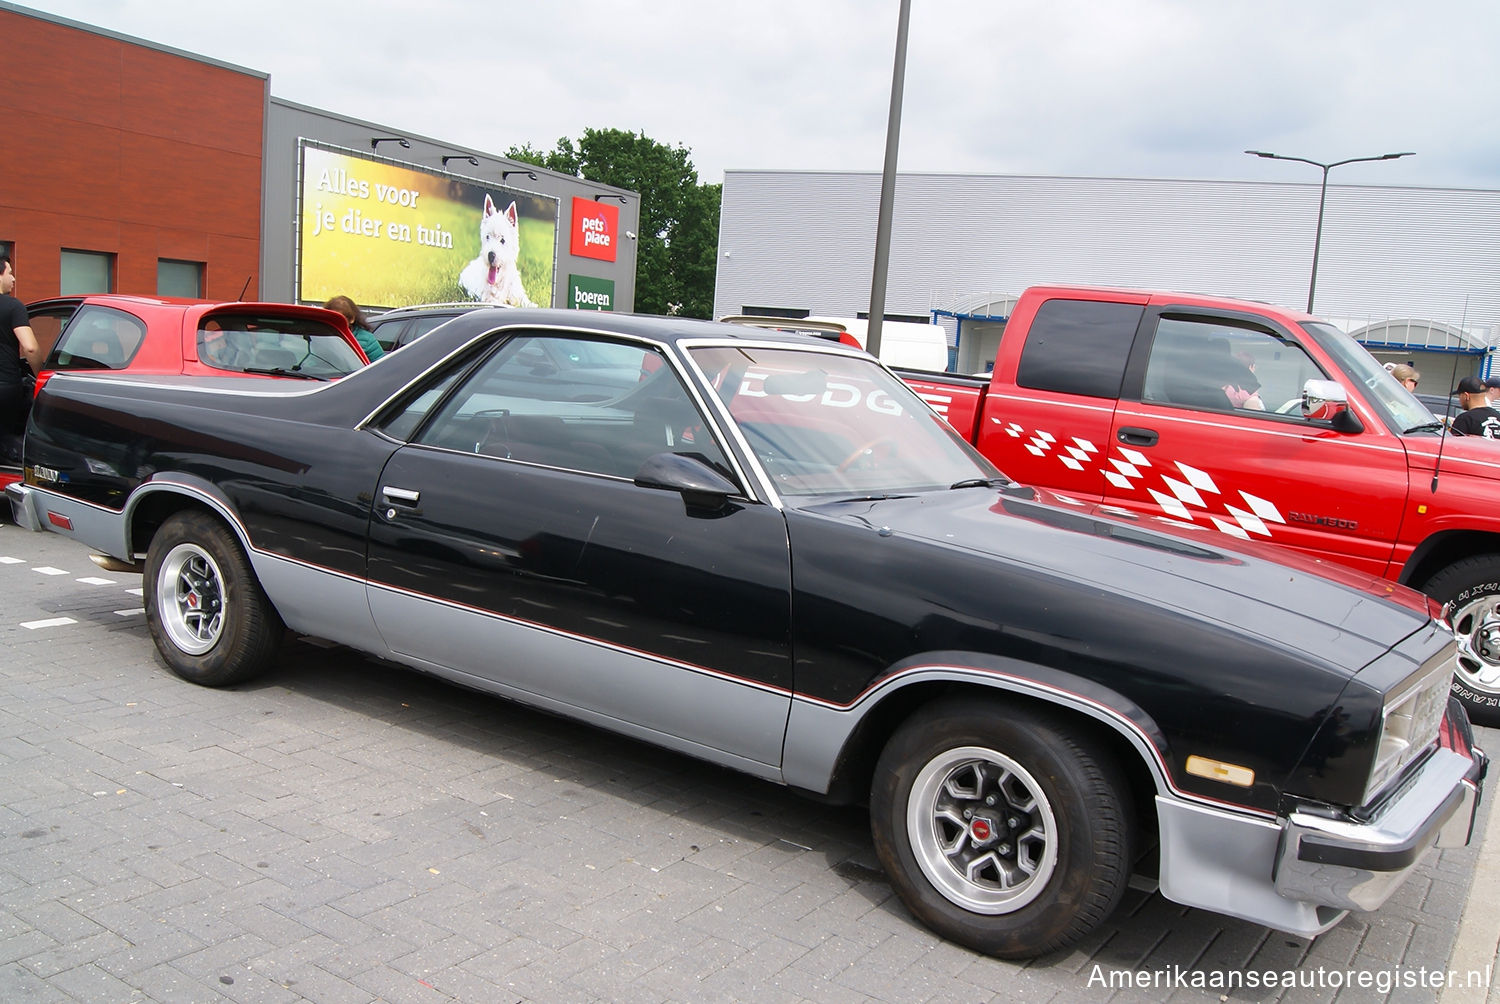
pixel 806 239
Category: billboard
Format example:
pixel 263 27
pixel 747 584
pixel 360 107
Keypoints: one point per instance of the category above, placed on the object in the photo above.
pixel 388 235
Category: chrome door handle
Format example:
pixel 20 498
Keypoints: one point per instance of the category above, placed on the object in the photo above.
pixel 400 496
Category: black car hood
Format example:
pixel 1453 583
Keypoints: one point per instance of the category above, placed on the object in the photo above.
pixel 1340 618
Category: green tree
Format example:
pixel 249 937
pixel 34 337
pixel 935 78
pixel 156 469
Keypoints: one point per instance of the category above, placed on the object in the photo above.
pixel 677 248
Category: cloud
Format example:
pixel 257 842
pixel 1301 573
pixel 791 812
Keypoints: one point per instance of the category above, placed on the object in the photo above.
pixel 1166 88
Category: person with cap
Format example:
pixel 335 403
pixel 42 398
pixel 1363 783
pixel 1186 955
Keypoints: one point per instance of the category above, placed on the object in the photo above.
pixel 1478 419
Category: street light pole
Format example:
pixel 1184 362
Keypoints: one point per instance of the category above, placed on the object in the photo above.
pixel 887 188
pixel 1312 283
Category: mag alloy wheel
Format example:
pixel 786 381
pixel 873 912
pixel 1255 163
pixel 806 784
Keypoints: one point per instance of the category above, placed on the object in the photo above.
pixel 982 830
pixel 190 598
pixel 1007 828
pixel 212 623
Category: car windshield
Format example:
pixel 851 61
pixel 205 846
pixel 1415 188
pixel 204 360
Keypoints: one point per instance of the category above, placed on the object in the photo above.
pixel 1398 407
pixel 826 425
pixel 286 346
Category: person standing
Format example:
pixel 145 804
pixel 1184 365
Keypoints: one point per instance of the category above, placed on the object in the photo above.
pixel 1478 419
pixel 358 325
pixel 16 341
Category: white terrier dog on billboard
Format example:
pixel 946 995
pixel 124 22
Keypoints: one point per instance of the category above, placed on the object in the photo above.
pixel 493 276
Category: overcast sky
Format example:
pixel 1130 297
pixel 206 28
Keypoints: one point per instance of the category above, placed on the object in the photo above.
pixel 1115 88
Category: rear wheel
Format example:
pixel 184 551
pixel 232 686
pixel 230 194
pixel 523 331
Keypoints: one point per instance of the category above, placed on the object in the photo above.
pixel 1471 587
pixel 209 617
pixel 1003 831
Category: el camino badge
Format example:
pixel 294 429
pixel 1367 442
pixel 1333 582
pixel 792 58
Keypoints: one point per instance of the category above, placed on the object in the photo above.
pixel 45 474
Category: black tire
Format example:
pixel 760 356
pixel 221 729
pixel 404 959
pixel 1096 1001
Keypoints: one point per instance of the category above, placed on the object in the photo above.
pixel 1067 816
pixel 211 622
pixel 1472 588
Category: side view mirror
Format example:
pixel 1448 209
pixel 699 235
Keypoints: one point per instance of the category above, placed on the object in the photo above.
pixel 1328 401
pixel 701 486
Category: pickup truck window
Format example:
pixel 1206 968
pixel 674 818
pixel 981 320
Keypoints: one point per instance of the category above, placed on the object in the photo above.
pixel 576 404
pixel 1203 363
pixel 1079 347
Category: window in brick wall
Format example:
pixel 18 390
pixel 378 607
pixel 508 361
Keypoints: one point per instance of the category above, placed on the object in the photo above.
pixel 179 278
pixel 86 272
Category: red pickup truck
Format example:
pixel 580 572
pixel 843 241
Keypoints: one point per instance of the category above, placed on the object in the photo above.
pixel 1249 420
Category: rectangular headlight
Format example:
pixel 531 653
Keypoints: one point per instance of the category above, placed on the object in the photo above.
pixel 1410 722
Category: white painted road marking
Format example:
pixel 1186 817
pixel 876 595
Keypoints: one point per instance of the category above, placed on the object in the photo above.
pixel 49 570
pixel 53 622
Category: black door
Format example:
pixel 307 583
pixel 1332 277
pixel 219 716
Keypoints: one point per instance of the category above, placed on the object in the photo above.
pixel 510 549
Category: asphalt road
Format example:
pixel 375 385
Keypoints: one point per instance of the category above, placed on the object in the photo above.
pixel 345 830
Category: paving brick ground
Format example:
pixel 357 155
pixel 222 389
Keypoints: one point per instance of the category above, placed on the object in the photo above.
pixel 347 831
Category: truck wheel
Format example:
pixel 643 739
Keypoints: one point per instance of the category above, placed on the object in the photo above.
pixel 208 615
pixel 1472 587
pixel 999 829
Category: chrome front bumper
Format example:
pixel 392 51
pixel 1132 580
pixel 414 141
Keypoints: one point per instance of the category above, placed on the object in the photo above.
pixel 1347 865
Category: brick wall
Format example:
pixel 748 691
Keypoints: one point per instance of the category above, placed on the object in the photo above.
pixel 118 147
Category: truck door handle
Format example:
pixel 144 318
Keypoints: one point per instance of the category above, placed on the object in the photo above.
pixel 400 496
pixel 1133 436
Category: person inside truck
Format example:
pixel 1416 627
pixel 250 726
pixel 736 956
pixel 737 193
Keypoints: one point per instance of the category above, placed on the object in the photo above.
pixel 1406 376
pixel 1241 386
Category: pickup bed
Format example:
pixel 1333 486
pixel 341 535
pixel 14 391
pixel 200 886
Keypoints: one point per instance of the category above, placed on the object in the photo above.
pixel 1125 401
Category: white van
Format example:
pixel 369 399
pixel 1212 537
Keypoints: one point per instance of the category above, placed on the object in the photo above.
pixel 903 344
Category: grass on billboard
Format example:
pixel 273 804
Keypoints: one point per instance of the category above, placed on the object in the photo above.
pixel 381 273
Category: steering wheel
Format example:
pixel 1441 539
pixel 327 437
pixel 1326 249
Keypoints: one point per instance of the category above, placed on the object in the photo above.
pixel 867 450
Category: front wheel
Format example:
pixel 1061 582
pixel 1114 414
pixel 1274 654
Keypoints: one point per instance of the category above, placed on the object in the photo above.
pixel 1001 830
pixel 211 622
pixel 1471 587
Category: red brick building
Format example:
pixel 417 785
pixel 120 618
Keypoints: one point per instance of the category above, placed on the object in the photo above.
pixel 139 164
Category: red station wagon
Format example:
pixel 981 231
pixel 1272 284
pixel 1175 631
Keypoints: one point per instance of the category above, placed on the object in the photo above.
pixel 161 335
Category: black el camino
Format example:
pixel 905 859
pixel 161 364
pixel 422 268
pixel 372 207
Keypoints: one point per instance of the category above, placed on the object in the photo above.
pixel 764 550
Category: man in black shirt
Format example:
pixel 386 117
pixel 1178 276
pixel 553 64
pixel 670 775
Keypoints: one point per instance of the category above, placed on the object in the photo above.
pixel 16 340
pixel 1478 418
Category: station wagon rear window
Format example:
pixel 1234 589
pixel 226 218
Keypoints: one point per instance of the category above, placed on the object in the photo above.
pixel 280 346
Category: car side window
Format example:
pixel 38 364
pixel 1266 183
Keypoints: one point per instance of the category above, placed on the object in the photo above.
pixel 99 338
pixel 1207 363
pixel 47 324
pixel 580 404
pixel 1079 347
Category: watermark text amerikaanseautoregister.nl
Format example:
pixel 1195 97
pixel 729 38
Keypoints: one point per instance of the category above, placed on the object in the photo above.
pixel 1383 980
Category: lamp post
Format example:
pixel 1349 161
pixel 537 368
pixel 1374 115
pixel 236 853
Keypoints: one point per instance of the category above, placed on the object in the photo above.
pixel 888 187
pixel 1312 283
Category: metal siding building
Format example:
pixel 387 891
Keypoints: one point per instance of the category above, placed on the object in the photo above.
pixel 965 244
